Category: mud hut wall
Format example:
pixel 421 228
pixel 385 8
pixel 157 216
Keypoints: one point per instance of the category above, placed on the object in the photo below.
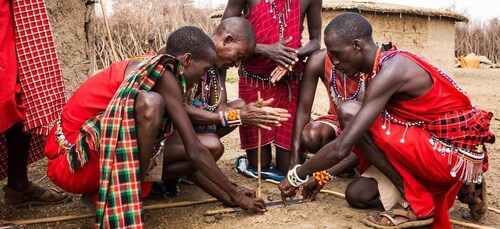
pixel 69 20
pixel 432 38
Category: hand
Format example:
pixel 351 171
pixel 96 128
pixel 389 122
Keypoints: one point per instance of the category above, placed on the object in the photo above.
pixel 278 73
pixel 245 191
pixel 280 53
pixel 310 189
pixel 247 203
pixel 252 114
pixel 287 190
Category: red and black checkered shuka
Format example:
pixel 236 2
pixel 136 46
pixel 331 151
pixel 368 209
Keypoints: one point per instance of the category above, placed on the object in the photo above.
pixel 39 74
pixel 39 70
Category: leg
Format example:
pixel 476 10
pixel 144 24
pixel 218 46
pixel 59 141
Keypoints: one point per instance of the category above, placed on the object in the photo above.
pixel 148 110
pixel 346 112
pixel 175 163
pixel 20 191
pixel 363 193
pixel 474 195
pixel 282 159
pixel 18 144
pixel 315 135
pixel 266 157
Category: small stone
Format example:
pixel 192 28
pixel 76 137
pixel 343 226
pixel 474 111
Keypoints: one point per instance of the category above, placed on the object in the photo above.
pixel 218 217
pixel 270 198
pixel 348 216
pixel 209 219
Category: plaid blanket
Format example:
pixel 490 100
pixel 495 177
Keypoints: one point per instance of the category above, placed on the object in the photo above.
pixel 39 70
pixel 113 135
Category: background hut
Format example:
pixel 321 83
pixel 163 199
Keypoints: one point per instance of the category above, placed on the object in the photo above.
pixel 71 23
pixel 427 32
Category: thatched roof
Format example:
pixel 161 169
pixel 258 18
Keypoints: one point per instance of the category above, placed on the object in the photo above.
pixel 360 6
pixel 376 7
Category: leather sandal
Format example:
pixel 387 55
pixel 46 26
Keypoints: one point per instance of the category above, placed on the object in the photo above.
pixel 34 195
pixel 389 219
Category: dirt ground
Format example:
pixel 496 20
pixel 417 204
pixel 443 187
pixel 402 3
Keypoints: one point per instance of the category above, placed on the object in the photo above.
pixel 326 212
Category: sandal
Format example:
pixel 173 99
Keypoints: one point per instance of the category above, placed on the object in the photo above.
pixel 469 194
pixel 34 195
pixel 389 219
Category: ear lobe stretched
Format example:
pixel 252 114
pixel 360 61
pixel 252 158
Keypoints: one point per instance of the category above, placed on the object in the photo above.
pixel 187 59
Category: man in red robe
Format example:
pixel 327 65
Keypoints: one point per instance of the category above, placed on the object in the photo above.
pixel 278 29
pixel 104 143
pixel 431 137
pixel 31 96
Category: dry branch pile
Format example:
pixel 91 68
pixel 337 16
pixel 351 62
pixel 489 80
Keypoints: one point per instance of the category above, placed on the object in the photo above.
pixel 479 38
pixel 143 25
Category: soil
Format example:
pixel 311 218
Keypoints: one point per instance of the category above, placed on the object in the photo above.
pixel 326 212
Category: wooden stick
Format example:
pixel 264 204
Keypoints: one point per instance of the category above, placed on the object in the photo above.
pixel 111 43
pixel 83 216
pixel 337 194
pixel 259 155
pixel 273 204
pixel 470 225
pixel 456 222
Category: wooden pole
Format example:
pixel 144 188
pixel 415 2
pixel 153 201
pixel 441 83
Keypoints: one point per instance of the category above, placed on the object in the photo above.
pixel 89 215
pixel 456 222
pixel 111 43
pixel 259 155
pixel 470 225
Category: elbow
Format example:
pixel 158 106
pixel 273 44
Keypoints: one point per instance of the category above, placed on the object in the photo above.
pixel 337 153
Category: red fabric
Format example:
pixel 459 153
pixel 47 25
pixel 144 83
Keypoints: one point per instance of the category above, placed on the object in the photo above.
pixel 282 92
pixel 429 187
pixel 47 86
pixel 85 104
pixel 267 31
pixel 11 109
pixel 39 70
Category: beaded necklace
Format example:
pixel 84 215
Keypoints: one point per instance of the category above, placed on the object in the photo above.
pixel 212 82
pixel 336 96
pixel 280 15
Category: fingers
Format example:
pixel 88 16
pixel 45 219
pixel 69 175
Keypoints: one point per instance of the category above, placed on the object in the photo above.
pixel 264 126
pixel 278 73
pixel 267 102
pixel 288 40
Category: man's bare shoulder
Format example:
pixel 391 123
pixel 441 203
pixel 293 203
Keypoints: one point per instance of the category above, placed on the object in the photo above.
pixel 315 64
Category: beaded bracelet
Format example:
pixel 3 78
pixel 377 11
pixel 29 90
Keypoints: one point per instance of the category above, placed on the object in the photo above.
pixel 222 118
pixel 294 179
pixel 322 177
pixel 233 117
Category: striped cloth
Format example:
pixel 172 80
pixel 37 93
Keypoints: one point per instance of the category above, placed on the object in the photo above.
pixel 38 71
pixel 113 135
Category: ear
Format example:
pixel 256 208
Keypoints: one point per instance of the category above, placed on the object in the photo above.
pixel 186 59
pixel 356 44
pixel 228 38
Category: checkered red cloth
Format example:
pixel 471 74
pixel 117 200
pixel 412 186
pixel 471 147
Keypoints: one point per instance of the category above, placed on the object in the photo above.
pixel 39 70
pixel 267 31
pixel 39 95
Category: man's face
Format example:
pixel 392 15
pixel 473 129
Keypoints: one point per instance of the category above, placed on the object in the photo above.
pixel 342 54
pixel 230 54
pixel 196 69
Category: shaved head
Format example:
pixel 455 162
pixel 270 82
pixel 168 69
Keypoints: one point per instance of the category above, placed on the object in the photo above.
pixel 237 27
pixel 350 26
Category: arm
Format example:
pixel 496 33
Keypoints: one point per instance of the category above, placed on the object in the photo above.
pixel 196 153
pixel 379 91
pixel 314 28
pixel 313 69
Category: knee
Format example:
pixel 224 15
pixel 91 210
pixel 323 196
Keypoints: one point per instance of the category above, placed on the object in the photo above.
pixel 347 111
pixel 311 138
pixel 358 196
pixel 215 147
pixel 149 106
